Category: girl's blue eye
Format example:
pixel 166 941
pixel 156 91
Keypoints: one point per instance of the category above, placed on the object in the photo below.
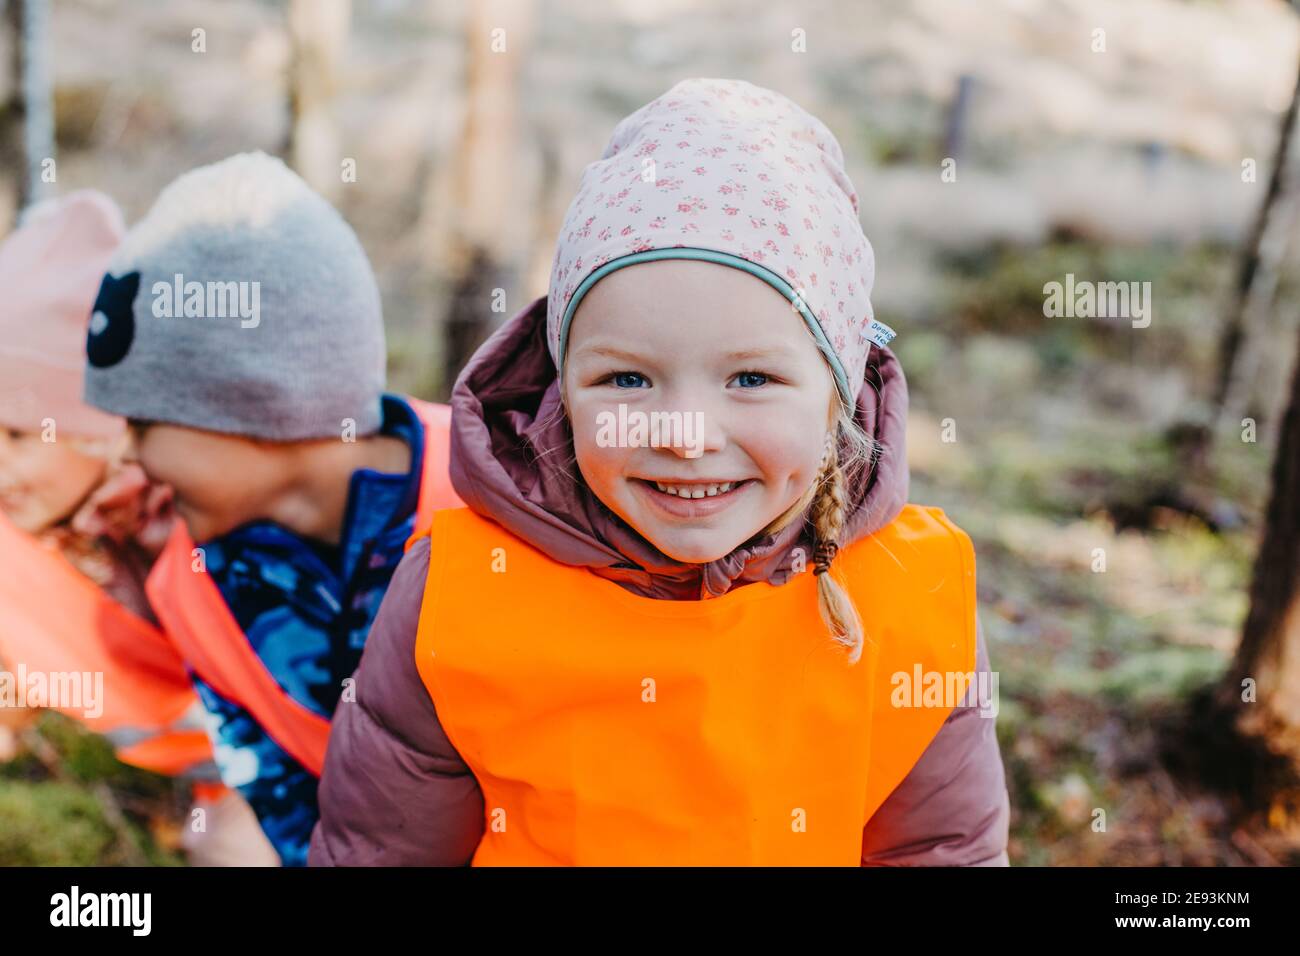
pixel 628 379
pixel 751 379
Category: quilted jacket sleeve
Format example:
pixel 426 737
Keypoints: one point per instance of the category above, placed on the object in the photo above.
pixel 394 792
pixel 952 809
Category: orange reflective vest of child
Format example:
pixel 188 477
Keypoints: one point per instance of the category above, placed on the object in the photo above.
pixel 199 622
pixel 55 623
pixel 607 728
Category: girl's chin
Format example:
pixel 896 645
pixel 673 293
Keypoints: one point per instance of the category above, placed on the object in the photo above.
pixel 698 545
pixel 697 530
pixel 692 555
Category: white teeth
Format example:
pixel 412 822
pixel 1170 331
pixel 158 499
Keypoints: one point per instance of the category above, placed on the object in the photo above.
pixel 694 491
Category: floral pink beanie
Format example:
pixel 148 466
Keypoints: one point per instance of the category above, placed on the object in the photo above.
pixel 727 172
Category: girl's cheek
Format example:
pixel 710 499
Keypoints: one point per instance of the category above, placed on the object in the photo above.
pixel 780 450
pixel 79 474
pixel 40 465
pixel 599 464
pixel 596 447
pixel 55 479
pixel 585 421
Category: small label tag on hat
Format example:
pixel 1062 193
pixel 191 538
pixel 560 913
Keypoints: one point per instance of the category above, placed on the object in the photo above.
pixel 878 332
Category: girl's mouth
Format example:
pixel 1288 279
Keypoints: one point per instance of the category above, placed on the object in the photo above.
pixel 693 499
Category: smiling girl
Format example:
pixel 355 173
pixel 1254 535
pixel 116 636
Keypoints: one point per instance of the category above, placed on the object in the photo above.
pixel 646 655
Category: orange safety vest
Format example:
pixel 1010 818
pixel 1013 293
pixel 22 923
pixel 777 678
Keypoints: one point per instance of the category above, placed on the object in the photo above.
pixel 607 728
pixel 55 620
pixel 197 619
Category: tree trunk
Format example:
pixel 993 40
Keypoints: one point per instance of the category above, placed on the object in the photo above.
pixel 1257 275
pixel 1269 653
pixel 26 107
pixel 318 32
pixel 477 215
pixel 12 165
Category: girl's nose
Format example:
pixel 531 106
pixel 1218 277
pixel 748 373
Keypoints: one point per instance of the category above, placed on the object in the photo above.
pixel 700 433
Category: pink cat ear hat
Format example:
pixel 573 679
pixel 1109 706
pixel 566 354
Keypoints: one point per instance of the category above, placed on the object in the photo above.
pixel 50 270
pixel 727 172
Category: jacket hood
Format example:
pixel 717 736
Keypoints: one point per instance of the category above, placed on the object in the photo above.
pixel 512 461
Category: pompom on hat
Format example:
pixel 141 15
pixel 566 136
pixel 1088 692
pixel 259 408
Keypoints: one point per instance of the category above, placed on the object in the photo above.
pixel 727 172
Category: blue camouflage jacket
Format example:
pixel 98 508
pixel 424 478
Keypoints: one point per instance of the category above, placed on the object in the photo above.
pixel 306 608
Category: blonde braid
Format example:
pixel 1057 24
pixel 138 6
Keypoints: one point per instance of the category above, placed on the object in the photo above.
pixel 827 514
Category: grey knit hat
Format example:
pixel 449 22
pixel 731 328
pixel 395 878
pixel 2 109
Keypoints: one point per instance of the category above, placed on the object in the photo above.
pixel 242 303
